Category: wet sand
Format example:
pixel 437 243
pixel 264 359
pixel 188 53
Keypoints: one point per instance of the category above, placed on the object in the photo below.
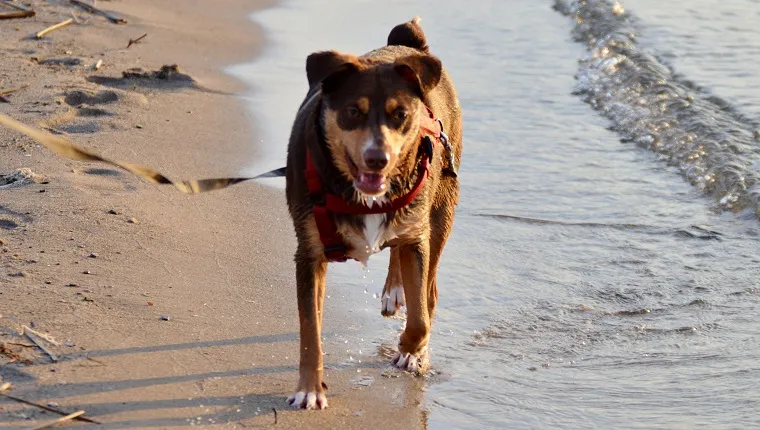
pixel 169 310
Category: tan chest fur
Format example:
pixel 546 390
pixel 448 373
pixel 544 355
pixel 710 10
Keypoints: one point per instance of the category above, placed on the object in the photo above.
pixel 377 234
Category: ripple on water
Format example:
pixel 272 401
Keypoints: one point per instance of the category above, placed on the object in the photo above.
pixel 706 137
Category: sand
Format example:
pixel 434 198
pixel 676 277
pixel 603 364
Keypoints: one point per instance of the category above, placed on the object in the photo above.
pixel 169 310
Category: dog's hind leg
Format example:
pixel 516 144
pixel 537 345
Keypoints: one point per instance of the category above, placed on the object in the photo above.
pixel 311 278
pixel 393 291
pixel 412 346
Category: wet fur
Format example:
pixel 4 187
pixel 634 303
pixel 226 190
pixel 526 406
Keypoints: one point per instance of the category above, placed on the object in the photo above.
pixel 416 233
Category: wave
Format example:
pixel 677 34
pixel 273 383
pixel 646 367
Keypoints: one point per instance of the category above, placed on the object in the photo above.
pixel 714 146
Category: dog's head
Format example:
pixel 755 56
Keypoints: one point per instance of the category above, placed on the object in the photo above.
pixel 371 112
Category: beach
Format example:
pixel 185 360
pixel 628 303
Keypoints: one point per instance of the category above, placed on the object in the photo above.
pixel 166 310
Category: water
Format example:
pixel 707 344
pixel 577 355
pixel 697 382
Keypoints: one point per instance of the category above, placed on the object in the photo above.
pixel 591 280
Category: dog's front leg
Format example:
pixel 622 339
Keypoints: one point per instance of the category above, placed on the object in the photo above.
pixel 412 347
pixel 393 291
pixel 310 277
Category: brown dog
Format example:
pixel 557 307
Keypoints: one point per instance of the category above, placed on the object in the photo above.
pixel 371 164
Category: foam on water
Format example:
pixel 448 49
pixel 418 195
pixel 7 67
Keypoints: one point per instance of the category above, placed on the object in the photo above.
pixel 714 146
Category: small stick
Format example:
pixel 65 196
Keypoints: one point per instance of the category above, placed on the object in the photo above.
pixel 68 417
pixel 37 342
pixel 42 33
pixel 47 337
pixel 25 345
pixel 47 408
pixel 17 14
pixel 275 415
pixel 133 41
pixel 6 92
pixel 16 6
pixel 95 11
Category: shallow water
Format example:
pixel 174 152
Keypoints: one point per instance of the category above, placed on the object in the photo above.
pixel 587 282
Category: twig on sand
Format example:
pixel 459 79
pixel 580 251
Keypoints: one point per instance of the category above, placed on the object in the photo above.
pixel 47 408
pixel 15 6
pixel 21 11
pixel 133 41
pixel 11 91
pixel 68 417
pixel 275 415
pixel 35 336
pixel 4 350
pixel 25 345
pixel 42 33
pixel 17 14
pixel 42 346
pixel 95 11
pixel 47 337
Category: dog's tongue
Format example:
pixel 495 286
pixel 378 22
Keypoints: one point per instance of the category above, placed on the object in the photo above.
pixel 370 183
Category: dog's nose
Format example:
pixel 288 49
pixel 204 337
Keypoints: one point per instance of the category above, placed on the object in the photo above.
pixel 376 159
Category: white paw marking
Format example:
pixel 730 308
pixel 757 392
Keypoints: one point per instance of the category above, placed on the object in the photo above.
pixel 394 300
pixel 410 362
pixel 310 400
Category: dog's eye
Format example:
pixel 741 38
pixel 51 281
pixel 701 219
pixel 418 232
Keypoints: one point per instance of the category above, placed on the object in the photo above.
pixel 400 114
pixel 353 112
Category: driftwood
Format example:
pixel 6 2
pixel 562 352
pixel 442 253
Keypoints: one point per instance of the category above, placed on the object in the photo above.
pixel 95 11
pixel 60 420
pixel 42 33
pixel 47 337
pixel 11 91
pixel 16 14
pixel 42 346
pixel 47 408
pixel 16 6
pixel 20 12
pixel 133 41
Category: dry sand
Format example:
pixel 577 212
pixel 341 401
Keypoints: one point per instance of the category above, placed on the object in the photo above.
pixel 219 265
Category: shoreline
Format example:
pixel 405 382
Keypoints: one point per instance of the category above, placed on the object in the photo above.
pixel 76 267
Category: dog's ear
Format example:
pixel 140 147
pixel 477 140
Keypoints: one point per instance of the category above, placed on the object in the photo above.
pixel 330 68
pixel 421 71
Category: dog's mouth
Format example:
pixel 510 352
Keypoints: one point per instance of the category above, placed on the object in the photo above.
pixel 369 183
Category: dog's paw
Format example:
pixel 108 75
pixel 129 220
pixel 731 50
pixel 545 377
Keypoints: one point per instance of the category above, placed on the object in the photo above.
pixel 310 400
pixel 414 363
pixel 392 301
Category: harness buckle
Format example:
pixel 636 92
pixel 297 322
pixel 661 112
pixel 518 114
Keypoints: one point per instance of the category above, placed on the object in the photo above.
pixel 453 168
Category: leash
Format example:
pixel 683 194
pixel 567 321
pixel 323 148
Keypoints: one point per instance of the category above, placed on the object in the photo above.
pixel 66 149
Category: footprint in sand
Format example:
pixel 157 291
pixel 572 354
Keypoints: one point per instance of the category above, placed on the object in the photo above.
pixel 59 62
pixel 10 219
pixel 87 110
pixel 78 98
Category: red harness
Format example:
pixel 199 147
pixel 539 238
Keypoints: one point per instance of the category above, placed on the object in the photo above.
pixel 431 131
